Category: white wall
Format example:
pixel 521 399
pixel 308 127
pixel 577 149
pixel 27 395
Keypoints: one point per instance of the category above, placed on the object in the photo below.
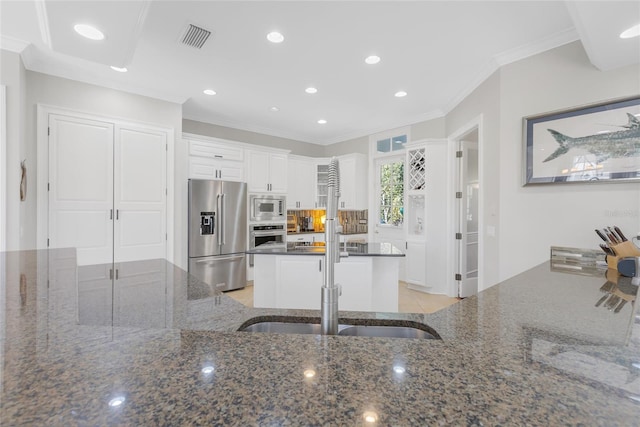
pixel 12 74
pixel 59 92
pixel 533 218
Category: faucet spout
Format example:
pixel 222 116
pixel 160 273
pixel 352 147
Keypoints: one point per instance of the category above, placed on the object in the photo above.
pixel 330 290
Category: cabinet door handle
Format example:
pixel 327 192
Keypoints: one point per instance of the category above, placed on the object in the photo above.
pixel 320 265
pixel 117 213
pixel 110 213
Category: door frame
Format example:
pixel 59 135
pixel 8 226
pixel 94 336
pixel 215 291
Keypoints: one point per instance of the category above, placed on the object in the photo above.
pixel 42 141
pixel 452 263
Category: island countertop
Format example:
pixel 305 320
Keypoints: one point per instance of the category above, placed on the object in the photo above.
pixel 349 249
pixel 157 347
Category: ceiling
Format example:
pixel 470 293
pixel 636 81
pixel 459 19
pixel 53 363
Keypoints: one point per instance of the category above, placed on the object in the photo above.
pixel 436 51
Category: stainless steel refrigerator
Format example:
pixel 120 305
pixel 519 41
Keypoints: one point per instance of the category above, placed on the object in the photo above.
pixel 218 233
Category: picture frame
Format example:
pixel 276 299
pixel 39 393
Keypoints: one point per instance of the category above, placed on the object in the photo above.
pixel 594 143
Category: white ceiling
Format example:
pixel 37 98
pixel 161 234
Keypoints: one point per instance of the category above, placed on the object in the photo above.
pixel 436 51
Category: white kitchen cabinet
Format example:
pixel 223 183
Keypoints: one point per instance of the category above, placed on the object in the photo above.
pixel 267 172
pixel 299 281
pixel 425 216
pixel 212 158
pixel 322 176
pixel 353 182
pixel 369 283
pixel 301 183
pixel 107 189
pixel 415 254
pixel 203 168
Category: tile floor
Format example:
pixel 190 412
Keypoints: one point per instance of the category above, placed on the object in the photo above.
pixel 409 301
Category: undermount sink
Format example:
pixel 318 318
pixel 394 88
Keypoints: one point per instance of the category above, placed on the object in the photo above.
pixel 378 330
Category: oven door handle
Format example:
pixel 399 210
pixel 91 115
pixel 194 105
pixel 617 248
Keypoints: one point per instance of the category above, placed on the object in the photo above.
pixel 268 233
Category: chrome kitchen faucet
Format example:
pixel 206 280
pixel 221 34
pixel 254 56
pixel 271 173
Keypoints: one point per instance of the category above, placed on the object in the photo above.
pixel 330 290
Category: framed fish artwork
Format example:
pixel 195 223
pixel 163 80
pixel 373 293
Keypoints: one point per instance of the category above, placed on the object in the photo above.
pixel 593 143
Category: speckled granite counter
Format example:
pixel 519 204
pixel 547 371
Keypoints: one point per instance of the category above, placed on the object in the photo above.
pixel 533 350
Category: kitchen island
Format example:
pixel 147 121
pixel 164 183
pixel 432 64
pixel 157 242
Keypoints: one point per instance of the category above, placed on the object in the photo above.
pixel 292 277
pixel 153 346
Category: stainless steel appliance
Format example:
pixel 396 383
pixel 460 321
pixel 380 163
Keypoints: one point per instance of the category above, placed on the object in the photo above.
pixel 268 208
pixel 218 233
pixel 267 236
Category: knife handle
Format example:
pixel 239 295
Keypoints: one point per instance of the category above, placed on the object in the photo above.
pixel 602 236
pixel 624 239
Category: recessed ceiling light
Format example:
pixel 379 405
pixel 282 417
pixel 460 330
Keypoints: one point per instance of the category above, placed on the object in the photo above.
pixel 208 370
pixel 398 369
pixel 209 92
pixel 311 90
pixel 631 32
pixel 275 37
pixel 373 59
pixel 322 122
pixel 120 70
pixel 274 109
pixel 309 373
pixel 88 31
pixel 400 94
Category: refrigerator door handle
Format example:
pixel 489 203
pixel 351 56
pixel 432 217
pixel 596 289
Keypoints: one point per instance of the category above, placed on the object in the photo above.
pixel 218 209
pixel 223 215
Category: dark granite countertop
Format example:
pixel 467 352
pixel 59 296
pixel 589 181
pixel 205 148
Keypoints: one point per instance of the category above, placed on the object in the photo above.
pixel 156 347
pixel 350 249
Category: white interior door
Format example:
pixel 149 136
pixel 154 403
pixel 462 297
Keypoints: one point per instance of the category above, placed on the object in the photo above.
pixel 81 187
pixel 140 194
pixel 469 186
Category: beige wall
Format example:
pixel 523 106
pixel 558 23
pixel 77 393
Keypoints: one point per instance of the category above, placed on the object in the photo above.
pixel 58 92
pixel 13 76
pixel 296 147
pixel 533 218
pixel 485 101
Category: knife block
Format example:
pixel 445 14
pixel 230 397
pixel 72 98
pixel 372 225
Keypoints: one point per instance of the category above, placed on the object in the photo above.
pixel 622 250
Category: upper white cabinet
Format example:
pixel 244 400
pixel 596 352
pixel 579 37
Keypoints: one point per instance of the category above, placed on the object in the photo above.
pixel 212 158
pixel 301 183
pixel 353 182
pixel 267 172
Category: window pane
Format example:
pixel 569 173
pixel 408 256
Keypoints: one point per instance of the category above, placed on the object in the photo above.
pixel 384 145
pixel 391 197
pixel 398 142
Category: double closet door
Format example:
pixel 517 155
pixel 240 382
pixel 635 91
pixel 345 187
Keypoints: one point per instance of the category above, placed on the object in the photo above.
pixel 107 190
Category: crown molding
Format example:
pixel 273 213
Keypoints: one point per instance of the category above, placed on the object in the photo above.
pixel 43 22
pixel 12 45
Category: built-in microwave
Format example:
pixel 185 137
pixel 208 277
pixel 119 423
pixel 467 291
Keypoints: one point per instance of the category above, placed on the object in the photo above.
pixel 268 208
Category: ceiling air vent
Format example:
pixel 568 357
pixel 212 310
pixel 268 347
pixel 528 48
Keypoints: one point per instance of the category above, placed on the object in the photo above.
pixel 195 36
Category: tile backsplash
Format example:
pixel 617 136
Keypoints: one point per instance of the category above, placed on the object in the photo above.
pixel 353 222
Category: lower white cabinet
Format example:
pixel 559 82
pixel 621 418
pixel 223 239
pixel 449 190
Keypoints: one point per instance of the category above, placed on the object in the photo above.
pixel 299 282
pixel 415 263
pixel 369 283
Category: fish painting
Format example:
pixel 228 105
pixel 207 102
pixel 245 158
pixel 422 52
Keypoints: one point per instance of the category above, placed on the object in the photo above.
pixel 623 143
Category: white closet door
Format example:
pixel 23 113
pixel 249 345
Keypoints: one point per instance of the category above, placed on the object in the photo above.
pixel 140 194
pixel 81 187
